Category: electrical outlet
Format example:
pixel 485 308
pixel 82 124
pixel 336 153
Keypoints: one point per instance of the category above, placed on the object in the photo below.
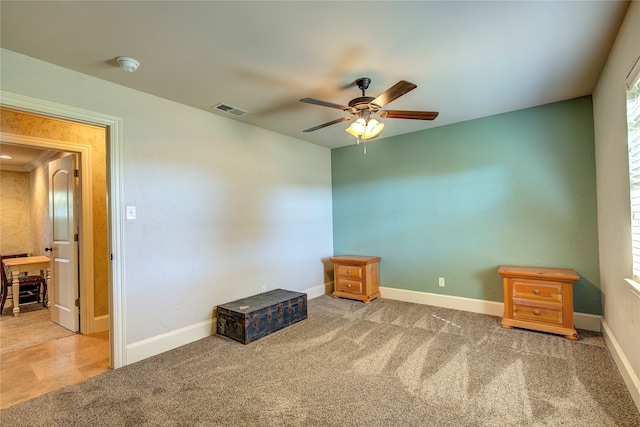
pixel 441 282
pixel 264 288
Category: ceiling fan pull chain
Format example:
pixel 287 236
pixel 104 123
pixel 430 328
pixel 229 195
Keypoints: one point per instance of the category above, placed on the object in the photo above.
pixel 364 144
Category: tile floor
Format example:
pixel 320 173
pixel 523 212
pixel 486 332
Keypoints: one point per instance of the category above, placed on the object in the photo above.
pixel 30 372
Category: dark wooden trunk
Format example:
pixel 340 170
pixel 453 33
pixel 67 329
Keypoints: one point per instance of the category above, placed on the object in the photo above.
pixel 248 319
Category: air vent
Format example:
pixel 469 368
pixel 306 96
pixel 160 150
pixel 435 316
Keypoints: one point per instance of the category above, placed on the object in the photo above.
pixel 230 109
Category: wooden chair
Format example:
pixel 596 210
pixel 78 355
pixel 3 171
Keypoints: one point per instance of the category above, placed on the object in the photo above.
pixel 30 286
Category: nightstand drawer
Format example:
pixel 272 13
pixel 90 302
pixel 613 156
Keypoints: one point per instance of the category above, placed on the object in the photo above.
pixel 537 290
pixel 537 313
pixel 349 271
pixel 351 286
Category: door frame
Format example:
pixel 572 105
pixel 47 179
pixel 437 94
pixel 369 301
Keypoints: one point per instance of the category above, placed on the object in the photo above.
pixel 115 206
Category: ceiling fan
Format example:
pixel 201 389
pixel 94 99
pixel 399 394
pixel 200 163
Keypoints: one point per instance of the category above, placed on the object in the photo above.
pixel 362 108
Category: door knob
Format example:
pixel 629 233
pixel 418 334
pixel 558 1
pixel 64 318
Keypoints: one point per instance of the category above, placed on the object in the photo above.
pixel 48 249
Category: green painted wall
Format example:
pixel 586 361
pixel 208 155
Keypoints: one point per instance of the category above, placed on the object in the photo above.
pixel 458 201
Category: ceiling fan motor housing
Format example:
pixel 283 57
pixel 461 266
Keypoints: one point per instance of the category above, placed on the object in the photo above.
pixel 364 103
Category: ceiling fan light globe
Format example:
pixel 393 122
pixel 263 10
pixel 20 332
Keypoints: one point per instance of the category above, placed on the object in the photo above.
pixel 350 131
pixel 358 127
pixel 374 128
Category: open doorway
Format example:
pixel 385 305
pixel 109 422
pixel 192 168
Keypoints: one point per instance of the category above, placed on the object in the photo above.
pixel 62 116
pixel 88 143
pixel 75 357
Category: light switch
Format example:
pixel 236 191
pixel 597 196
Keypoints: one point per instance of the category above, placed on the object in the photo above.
pixel 131 212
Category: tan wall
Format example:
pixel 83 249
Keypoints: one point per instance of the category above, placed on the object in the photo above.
pixel 59 130
pixel 39 191
pixel 14 213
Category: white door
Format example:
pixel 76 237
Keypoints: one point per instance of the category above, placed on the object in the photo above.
pixel 63 285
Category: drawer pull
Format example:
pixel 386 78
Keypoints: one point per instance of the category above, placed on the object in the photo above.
pixel 536 291
pixel 349 285
pixel 348 271
pixel 536 312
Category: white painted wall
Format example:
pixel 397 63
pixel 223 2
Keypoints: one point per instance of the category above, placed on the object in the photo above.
pixel 621 305
pixel 222 207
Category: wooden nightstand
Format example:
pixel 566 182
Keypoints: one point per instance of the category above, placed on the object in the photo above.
pixel 539 298
pixel 356 277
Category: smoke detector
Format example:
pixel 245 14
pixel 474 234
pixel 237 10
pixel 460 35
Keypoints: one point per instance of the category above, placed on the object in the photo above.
pixel 127 64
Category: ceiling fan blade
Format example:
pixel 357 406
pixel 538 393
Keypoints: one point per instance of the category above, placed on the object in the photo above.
pixel 404 114
pixel 324 103
pixel 349 85
pixel 394 92
pixel 324 125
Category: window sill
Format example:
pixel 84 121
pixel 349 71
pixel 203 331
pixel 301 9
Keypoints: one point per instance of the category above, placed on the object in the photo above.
pixel 635 286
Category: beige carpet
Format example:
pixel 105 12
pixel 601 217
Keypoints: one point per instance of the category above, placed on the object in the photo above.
pixel 387 363
pixel 32 327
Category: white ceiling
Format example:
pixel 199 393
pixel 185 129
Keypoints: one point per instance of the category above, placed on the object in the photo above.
pixel 22 157
pixel 469 59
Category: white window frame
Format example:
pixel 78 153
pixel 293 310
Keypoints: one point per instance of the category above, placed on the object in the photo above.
pixel 633 141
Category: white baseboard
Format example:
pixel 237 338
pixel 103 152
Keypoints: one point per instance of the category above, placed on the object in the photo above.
pixel 318 291
pixel 160 343
pixel 100 323
pixel 491 308
pixel 588 322
pixel 628 375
